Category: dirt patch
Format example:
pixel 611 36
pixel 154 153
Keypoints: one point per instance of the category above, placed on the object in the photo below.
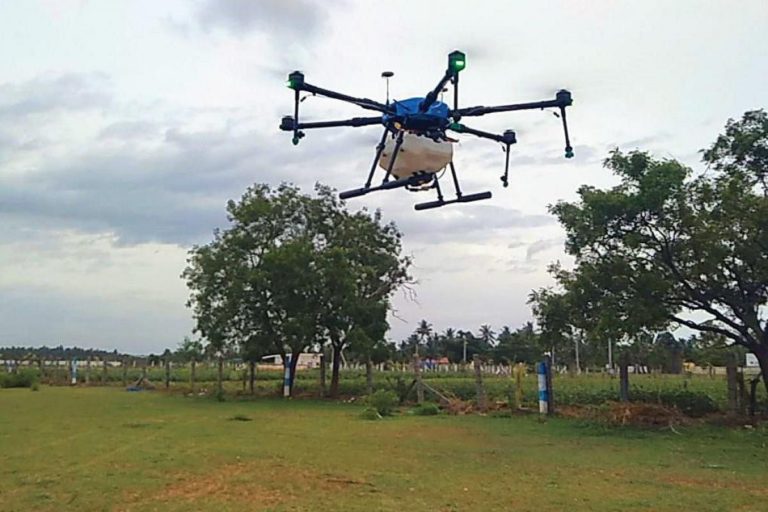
pixel 636 414
pixel 718 484
pixel 258 484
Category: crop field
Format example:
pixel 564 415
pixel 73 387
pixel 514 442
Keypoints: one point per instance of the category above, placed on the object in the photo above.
pixel 102 448
pixel 695 395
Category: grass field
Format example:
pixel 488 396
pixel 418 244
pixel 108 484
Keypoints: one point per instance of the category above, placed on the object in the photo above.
pixel 107 449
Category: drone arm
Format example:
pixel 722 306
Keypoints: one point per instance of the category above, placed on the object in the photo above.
pixel 288 123
pixel 562 100
pixel 508 137
pixel 360 102
pixel 432 95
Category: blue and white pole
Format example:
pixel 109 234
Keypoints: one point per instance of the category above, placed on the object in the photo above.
pixel 287 378
pixel 541 373
pixel 74 371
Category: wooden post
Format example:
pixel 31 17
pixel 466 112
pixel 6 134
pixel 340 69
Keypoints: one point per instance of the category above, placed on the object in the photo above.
pixel 731 373
pixel 252 378
pixel 417 374
pixel 192 370
pixel 742 394
pixel 624 378
pixel 519 372
pixel 220 378
pixel 479 388
pixel 104 373
pixel 125 372
pixel 167 363
pixel 322 375
pixel 88 371
pixel 369 375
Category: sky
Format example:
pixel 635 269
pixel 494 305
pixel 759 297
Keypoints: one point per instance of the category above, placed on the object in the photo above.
pixel 125 126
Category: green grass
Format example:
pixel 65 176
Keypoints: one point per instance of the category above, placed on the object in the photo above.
pixel 106 449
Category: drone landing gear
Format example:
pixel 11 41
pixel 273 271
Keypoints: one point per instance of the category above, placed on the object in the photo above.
pixel 460 197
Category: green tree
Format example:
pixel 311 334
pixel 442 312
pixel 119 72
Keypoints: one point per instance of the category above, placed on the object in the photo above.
pixel 666 243
pixel 291 271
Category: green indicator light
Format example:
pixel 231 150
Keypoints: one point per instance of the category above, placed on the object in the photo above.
pixel 457 61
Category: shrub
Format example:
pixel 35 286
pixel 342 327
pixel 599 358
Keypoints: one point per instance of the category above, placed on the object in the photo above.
pixel 428 409
pixel 369 413
pixel 384 402
pixel 24 378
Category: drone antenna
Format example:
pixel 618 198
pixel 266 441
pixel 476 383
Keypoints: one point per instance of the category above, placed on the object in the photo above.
pixel 387 75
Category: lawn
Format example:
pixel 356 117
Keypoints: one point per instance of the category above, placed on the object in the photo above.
pixel 107 449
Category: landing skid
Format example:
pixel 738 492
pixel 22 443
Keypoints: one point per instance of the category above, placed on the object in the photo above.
pixel 415 181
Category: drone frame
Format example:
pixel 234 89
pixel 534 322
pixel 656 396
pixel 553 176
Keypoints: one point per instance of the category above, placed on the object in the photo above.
pixel 397 124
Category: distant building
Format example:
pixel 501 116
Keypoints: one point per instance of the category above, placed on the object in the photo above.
pixel 306 360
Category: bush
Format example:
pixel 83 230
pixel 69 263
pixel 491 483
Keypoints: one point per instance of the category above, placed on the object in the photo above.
pixel 369 413
pixel 427 409
pixel 384 402
pixel 24 378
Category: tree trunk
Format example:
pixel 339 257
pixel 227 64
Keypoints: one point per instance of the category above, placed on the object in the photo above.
pixel 336 364
pixel 192 376
pixel 294 363
pixel 369 375
pixel 252 377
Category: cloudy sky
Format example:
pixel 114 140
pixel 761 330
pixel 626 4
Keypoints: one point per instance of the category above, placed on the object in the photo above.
pixel 125 126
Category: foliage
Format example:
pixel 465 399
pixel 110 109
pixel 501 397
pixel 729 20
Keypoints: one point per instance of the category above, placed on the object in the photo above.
pixel 666 243
pixel 293 270
pixel 426 409
pixel 370 413
pixel 383 401
pixel 23 378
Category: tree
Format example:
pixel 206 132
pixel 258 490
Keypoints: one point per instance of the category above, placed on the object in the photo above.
pixel 291 271
pixel 487 335
pixel 666 243
pixel 361 266
pixel 423 331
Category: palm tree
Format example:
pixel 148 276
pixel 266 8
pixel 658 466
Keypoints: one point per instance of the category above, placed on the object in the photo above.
pixel 423 331
pixel 487 335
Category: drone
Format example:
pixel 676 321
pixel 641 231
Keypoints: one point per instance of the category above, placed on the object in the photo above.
pixel 415 149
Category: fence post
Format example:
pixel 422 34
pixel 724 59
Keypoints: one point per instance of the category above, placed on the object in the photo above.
pixel 125 372
pixel 104 379
pixel 167 364
pixel 369 375
pixel 550 389
pixel 519 372
pixel 733 387
pixel 322 375
pixel 287 377
pixel 624 378
pixel 417 373
pixel 88 371
pixel 480 389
